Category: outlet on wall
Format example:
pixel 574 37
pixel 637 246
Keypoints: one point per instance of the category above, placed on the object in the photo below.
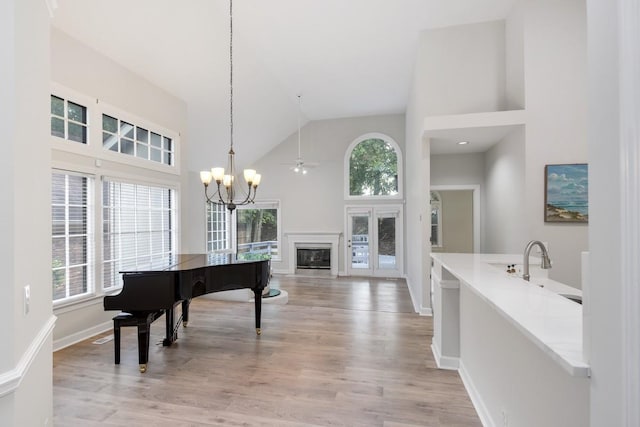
pixel 27 299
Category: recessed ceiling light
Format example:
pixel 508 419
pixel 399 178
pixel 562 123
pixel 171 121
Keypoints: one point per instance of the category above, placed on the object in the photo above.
pixel 463 142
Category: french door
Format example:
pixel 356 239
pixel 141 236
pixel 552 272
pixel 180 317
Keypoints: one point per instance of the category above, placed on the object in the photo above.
pixel 374 241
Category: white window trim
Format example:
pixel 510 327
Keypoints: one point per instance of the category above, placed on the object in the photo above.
pixel 262 204
pixel 230 233
pixel 87 159
pixel 93 148
pixel 347 158
pixel 99 247
pixel 92 284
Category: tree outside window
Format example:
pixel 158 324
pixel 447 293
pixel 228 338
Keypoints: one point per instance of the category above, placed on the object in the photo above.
pixel 373 169
pixel 257 233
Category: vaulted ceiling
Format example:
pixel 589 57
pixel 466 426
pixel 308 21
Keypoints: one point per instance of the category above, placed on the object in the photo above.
pixel 345 57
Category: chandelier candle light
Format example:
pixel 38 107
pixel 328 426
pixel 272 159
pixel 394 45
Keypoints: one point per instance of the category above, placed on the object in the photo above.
pixel 218 174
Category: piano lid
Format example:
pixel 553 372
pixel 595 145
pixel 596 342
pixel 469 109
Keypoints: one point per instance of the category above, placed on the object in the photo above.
pixel 182 262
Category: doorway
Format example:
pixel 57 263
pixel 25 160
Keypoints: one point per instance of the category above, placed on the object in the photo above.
pixel 374 241
pixel 455 219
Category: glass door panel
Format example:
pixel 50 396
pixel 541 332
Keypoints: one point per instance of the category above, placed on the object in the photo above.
pixel 386 243
pixel 360 237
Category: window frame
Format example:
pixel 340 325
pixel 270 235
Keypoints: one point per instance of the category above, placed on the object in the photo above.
pixel 400 169
pixel 172 228
pixel 262 204
pixel 90 253
pixel 230 235
pixel 94 148
pixel 437 205
pixel 91 160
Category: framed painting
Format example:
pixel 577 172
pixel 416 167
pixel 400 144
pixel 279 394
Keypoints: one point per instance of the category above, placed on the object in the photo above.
pixel 566 193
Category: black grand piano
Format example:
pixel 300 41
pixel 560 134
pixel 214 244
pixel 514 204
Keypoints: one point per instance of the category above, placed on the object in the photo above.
pixel 148 294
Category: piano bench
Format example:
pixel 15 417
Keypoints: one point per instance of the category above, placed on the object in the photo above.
pixel 143 323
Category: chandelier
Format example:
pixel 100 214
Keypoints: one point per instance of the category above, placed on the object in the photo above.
pixel 226 192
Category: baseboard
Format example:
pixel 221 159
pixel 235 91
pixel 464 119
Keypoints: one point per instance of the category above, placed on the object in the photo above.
pixel 444 362
pixel 81 335
pixel 476 399
pixel 10 380
pixel 426 311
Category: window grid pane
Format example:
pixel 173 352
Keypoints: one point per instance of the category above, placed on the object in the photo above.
pixel 127 138
pixel 72 236
pixel 217 228
pixel 137 229
pixel 68 120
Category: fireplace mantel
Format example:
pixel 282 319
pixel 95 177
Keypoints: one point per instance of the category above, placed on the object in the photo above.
pixel 319 237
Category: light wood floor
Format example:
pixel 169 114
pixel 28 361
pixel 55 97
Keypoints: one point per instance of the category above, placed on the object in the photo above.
pixel 343 352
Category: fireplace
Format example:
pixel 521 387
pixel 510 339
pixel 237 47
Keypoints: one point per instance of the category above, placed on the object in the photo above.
pixel 313 253
pixel 309 258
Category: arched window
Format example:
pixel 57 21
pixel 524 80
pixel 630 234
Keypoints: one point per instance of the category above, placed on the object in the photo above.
pixel 373 165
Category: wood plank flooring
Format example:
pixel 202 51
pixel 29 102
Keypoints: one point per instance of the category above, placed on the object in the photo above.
pixel 342 352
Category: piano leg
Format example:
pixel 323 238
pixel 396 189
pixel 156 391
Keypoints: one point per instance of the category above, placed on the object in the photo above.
pixel 169 337
pixel 144 330
pixel 258 300
pixel 185 312
pixel 171 329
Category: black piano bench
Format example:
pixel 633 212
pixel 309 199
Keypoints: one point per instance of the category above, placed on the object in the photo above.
pixel 143 323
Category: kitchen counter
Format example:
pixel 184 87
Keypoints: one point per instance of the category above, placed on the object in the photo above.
pixel 536 308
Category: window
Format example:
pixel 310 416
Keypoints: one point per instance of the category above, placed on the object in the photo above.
pixel 68 120
pixel 72 235
pixel 127 138
pixel 217 228
pixel 257 228
pixel 373 164
pixel 138 228
pixel 436 219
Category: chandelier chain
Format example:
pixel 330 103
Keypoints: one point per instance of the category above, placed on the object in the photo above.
pixel 231 70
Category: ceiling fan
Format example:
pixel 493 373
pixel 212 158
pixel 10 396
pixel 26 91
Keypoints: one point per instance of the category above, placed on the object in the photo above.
pixel 300 166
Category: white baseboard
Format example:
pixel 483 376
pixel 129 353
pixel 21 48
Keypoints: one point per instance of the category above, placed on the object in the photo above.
pixel 10 380
pixel 444 362
pixel 476 399
pixel 426 311
pixel 82 335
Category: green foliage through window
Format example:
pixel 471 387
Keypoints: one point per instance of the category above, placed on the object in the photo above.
pixel 257 233
pixel 373 169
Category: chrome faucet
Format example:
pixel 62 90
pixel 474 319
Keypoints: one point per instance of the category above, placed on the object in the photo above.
pixel 545 264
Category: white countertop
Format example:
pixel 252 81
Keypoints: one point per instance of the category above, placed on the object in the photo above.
pixel 550 321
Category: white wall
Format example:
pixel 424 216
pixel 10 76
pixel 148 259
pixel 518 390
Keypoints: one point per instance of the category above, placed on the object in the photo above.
pixel 315 202
pixel 555 69
pixel 465 68
pixel 514 58
pixel 87 72
pixel 504 219
pixel 25 214
pixel 606 268
pixel 457 169
pixel 457 70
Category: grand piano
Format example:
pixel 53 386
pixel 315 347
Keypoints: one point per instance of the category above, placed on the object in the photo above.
pixel 148 294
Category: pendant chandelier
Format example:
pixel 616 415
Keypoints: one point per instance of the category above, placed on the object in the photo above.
pixel 226 192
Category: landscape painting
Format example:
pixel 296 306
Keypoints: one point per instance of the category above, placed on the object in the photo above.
pixel 566 193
